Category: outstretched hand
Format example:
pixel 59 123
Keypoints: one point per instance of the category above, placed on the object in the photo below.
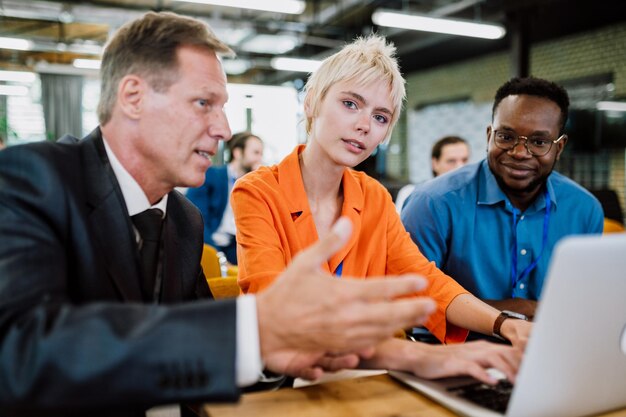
pixel 310 321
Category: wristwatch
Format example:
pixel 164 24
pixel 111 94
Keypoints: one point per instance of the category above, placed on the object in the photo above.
pixel 505 314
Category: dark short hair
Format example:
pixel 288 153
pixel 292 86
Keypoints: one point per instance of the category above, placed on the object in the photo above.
pixel 534 87
pixel 446 140
pixel 239 141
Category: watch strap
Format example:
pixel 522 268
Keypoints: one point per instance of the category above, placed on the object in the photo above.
pixel 505 314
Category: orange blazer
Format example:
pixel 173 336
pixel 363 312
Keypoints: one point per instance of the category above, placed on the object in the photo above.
pixel 274 223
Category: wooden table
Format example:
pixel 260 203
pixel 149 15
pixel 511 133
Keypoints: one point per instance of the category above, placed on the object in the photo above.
pixel 373 396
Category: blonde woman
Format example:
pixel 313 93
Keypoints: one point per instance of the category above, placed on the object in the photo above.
pixel 352 103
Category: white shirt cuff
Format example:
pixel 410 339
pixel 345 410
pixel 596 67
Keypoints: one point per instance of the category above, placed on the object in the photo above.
pixel 248 363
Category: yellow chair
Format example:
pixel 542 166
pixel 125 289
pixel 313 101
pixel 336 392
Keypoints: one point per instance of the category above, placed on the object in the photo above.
pixel 224 287
pixel 213 262
pixel 222 279
pixel 613 226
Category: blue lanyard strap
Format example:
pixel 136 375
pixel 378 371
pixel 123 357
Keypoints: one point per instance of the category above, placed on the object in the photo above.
pixel 515 278
pixel 339 270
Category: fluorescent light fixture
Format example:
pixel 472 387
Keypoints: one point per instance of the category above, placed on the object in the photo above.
pixel 236 66
pixel 295 64
pixel 18 76
pixel 15 43
pixel 13 90
pixel 87 63
pixel 611 106
pixel 395 19
pixel 85 48
pixel 278 6
pixel 270 44
pixel 232 36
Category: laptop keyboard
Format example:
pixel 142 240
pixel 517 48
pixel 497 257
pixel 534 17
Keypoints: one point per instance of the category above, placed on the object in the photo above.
pixel 495 397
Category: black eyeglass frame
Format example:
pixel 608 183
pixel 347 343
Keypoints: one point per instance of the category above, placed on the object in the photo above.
pixel 517 141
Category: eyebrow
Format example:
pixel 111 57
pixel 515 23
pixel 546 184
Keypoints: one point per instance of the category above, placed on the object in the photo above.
pixel 534 133
pixel 364 101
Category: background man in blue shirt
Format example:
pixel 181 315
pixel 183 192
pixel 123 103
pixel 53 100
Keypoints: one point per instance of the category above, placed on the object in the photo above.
pixel 213 197
pixel 447 154
pixel 493 225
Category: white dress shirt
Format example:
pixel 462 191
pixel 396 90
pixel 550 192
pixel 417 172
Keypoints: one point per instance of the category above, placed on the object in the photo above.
pixel 248 362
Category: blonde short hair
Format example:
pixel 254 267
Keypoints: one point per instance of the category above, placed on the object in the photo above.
pixel 148 47
pixel 363 61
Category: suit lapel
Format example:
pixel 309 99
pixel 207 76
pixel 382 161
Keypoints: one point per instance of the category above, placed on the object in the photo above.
pixel 109 220
pixel 182 250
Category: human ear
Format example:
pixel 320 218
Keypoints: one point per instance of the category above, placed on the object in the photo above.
pixel 488 136
pixel 130 94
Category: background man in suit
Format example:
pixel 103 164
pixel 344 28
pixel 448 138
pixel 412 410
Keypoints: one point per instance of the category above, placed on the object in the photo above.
pixel 213 197
pixel 492 225
pixel 97 312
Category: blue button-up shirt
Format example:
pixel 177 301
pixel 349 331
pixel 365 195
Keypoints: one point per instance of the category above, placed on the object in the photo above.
pixel 464 222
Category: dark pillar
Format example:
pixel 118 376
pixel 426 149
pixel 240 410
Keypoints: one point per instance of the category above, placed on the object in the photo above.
pixel 520 43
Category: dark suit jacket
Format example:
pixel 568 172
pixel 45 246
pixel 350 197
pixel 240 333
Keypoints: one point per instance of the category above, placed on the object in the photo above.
pixel 211 198
pixel 74 334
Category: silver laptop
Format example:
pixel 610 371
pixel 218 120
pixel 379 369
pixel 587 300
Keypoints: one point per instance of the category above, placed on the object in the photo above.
pixel 575 361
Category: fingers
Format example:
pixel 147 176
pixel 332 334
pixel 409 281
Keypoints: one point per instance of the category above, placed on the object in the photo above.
pixel 335 363
pixel 326 247
pixel 372 322
pixel 482 355
pixel 310 374
pixel 384 288
pixel 478 372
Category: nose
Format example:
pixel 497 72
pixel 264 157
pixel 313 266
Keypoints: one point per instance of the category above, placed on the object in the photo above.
pixel 520 150
pixel 219 128
pixel 363 123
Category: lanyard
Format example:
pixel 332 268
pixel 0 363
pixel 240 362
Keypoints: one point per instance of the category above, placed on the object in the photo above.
pixel 339 270
pixel 515 279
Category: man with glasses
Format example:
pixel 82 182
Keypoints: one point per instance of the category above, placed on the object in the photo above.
pixel 493 225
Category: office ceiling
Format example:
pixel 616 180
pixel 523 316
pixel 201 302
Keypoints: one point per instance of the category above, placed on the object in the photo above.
pixel 64 30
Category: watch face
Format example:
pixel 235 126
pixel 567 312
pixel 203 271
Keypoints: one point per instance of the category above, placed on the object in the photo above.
pixel 514 315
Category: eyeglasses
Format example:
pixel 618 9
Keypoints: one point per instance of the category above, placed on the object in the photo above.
pixel 535 145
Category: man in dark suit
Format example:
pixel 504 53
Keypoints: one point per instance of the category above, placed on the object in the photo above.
pixel 94 323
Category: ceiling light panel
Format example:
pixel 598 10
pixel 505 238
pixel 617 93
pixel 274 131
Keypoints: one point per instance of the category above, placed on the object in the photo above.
pixel 18 76
pixel 270 44
pixel 277 6
pixel 16 44
pixel 397 19
pixel 295 64
pixel 236 66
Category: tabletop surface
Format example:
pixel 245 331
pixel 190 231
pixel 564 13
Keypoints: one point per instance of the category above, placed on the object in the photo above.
pixel 378 395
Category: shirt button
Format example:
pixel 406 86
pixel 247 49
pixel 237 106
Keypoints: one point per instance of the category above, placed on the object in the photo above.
pixel 523 251
pixel 522 218
pixel 521 286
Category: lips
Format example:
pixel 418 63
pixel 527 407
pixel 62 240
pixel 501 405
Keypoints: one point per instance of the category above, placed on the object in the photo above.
pixel 205 154
pixel 354 144
pixel 518 170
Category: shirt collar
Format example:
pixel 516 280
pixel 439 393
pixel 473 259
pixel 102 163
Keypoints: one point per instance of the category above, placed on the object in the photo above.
pixel 292 186
pixel 489 191
pixel 134 197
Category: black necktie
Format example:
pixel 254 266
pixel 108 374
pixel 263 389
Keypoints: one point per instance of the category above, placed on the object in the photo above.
pixel 149 224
